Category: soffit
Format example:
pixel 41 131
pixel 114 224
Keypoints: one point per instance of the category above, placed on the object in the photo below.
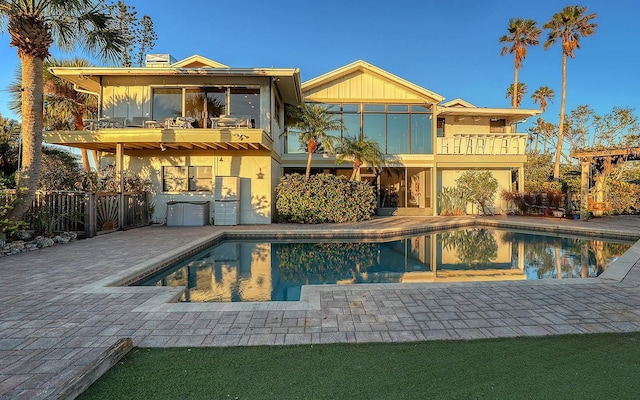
pixel 510 114
pixel 286 80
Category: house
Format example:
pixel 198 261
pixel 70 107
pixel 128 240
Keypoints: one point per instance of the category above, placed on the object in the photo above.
pixel 182 124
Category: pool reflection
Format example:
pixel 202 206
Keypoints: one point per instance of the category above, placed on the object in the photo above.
pixel 270 271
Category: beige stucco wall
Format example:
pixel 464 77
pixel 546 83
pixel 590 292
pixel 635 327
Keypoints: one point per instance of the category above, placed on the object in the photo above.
pixel 448 179
pixel 254 170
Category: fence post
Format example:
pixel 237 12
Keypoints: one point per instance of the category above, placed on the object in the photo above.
pixel 90 215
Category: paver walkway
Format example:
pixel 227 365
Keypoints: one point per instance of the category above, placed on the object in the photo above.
pixel 57 314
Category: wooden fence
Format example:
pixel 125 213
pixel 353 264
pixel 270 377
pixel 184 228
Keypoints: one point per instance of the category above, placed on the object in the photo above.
pixel 86 213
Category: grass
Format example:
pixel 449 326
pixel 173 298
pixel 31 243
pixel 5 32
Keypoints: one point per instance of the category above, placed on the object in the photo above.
pixel 555 367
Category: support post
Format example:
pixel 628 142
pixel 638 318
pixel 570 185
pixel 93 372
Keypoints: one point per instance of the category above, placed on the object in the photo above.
pixel 120 177
pixel 584 190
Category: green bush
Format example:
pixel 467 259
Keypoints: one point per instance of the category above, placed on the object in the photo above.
pixel 323 198
pixel 626 197
pixel 453 201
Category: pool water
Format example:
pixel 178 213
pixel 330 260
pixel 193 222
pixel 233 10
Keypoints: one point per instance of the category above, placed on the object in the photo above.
pixel 276 270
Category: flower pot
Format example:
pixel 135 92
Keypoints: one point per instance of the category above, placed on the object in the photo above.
pixel 576 216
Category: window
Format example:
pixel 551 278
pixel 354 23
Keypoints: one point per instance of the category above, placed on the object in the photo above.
pixel 397 128
pixel 440 128
pixel 187 179
pixel 167 103
pixel 245 102
pixel 203 103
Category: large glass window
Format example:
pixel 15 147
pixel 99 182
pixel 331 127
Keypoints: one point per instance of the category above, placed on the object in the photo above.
pixel 167 103
pixel 203 103
pixel 245 102
pixel 398 133
pixel 421 134
pixel 397 128
pixel 374 127
pixel 187 179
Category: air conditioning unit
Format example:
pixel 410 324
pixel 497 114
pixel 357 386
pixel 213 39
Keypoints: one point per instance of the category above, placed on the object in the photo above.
pixel 158 60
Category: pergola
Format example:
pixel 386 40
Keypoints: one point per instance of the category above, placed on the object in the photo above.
pixel 604 160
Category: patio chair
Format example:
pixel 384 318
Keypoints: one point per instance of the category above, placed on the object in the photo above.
pixel 137 122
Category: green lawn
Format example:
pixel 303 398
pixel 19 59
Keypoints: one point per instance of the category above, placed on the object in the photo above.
pixel 558 367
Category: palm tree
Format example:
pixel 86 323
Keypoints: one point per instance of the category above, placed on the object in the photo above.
pixel 542 95
pixel 567 27
pixel 312 124
pixel 522 33
pixel 34 26
pixel 544 128
pixel 361 151
pixel 522 90
pixel 65 103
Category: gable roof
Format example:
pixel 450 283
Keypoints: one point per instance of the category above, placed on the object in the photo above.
pixel 388 85
pixel 197 61
pixel 457 103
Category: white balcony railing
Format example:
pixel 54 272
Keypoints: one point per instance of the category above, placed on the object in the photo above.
pixel 482 144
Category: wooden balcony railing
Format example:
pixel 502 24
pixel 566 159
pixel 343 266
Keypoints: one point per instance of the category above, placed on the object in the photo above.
pixel 482 144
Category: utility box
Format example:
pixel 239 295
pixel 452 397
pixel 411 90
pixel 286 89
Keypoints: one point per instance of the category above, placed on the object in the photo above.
pixel 187 213
pixel 226 208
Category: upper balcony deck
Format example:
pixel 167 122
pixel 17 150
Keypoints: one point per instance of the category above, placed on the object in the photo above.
pixel 160 137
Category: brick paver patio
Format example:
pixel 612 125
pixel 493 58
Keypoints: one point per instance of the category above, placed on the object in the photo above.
pixel 59 312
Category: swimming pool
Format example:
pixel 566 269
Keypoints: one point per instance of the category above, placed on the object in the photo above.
pixel 272 270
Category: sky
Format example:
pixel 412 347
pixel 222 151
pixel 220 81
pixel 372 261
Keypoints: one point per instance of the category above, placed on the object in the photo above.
pixel 449 47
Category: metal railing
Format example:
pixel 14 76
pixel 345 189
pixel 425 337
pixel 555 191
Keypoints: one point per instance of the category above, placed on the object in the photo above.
pixel 482 144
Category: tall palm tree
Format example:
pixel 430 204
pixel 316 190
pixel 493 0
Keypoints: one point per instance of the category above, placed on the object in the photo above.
pixel 567 27
pixel 34 26
pixel 360 151
pixel 522 33
pixel 542 95
pixel 522 90
pixel 312 124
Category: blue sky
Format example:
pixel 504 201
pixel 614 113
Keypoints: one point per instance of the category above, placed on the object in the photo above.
pixel 449 47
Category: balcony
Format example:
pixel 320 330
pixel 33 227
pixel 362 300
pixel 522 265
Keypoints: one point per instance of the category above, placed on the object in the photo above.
pixel 159 137
pixel 482 144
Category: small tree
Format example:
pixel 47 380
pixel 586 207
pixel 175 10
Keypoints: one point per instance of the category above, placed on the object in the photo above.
pixel 361 151
pixel 312 123
pixel 480 187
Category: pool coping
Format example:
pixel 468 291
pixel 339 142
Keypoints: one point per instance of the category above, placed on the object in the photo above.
pixel 165 299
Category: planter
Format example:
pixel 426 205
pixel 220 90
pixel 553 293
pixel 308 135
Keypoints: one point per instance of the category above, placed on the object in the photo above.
pixel 576 216
pixel 558 214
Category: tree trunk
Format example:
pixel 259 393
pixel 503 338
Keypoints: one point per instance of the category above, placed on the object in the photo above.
pixel 356 168
pixel 312 146
pixel 79 125
pixel 514 98
pixel 556 165
pixel 32 127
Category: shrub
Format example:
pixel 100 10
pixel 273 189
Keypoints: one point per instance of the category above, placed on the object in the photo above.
pixel 452 201
pixel 626 195
pixel 323 198
pixel 480 187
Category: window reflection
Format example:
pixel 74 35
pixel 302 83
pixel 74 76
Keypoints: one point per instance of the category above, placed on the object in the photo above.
pixel 203 103
pixel 245 102
pixel 397 128
pixel 167 103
